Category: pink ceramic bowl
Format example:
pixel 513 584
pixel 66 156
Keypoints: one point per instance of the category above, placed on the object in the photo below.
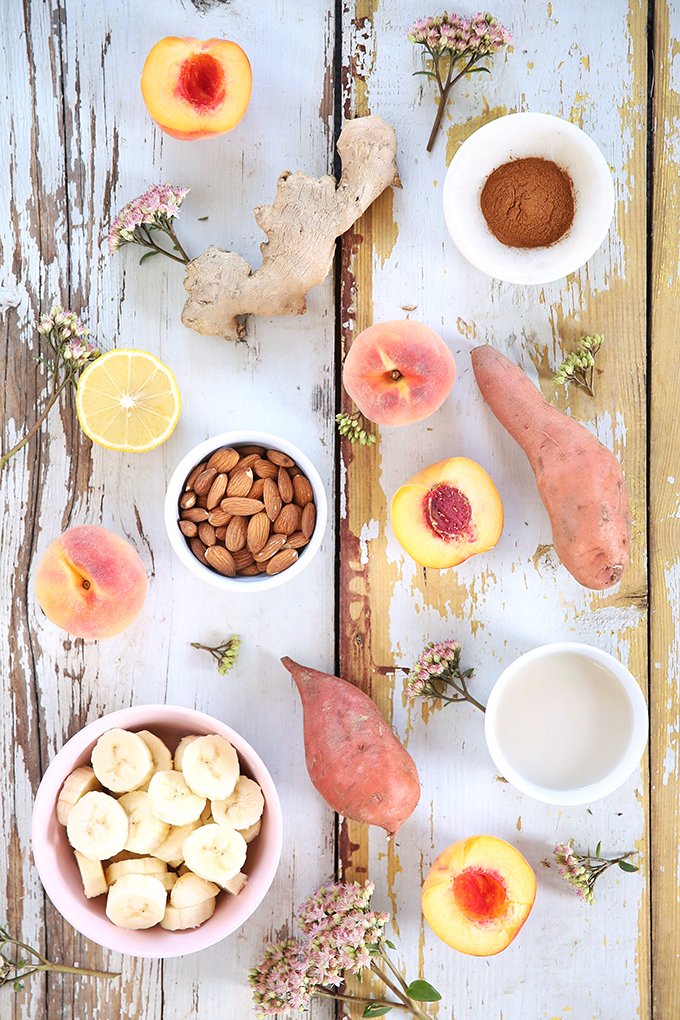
pixel 57 865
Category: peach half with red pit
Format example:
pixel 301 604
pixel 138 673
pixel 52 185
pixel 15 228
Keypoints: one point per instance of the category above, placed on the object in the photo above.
pixel 447 513
pixel 196 89
pixel 398 373
pixel 478 894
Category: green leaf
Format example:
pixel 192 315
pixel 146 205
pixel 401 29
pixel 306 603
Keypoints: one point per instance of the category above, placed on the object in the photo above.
pixel 374 1009
pixel 589 811
pixel 390 944
pixel 149 255
pixel 627 866
pixel 422 991
pixel 597 849
pixel 202 219
pixel 18 987
pixel 477 70
pixel 429 74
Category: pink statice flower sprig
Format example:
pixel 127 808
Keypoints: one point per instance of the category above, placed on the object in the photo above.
pixel 437 674
pixel 582 871
pixel 453 45
pixel 151 213
pixel 341 935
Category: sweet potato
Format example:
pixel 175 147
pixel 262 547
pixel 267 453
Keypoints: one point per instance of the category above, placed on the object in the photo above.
pixel 579 480
pixel 353 758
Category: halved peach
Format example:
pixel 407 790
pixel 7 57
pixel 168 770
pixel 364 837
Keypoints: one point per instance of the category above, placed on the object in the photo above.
pixel 398 373
pixel 195 89
pixel 447 513
pixel 478 894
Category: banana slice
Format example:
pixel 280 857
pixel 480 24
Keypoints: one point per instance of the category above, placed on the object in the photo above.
pixel 190 890
pixel 162 758
pixel 92 874
pixel 242 808
pixel 145 830
pixel 136 901
pixel 181 748
pixel 235 884
pixel 136 866
pixel 170 849
pixel 172 800
pixel 97 826
pixel 215 852
pixel 121 761
pixel 210 767
pixel 81 781
pixel 168 879
pixel 181 918
pixel 250 833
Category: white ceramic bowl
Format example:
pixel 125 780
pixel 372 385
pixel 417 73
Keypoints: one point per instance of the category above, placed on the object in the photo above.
pixel 57 865
pixel 517 136
pixel 566 723
pixel 260 582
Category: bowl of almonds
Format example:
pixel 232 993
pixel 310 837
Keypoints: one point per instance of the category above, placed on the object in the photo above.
pixel 245 511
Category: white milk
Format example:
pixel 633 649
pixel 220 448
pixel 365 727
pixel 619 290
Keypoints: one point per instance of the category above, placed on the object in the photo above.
pixel 564 722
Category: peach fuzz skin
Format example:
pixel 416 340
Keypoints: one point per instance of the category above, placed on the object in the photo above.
pixel 447 513
pixel 91 582
pixel 398 373
pixel 478 894
pixel 196 89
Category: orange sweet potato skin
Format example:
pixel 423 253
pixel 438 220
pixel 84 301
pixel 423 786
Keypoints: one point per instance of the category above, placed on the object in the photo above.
pixel 579 480
pixel 353 758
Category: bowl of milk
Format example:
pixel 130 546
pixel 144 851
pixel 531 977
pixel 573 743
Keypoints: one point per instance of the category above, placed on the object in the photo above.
pixel 566 723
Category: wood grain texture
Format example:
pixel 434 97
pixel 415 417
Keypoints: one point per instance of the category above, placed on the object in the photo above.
pixel 80 146
pixel 664 521
pixel 517 596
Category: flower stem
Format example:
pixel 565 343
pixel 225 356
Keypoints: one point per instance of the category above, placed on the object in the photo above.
pixel 327 994
pixel 150 243
pixel 444 97
pixel 394 970
pixel 57 390
pixel 174 237
pixel 405 998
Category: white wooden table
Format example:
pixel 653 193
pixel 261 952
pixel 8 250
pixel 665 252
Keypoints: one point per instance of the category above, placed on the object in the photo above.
pixel 79 144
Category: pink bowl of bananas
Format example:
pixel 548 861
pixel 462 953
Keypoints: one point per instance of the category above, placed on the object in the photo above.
pixel 157 831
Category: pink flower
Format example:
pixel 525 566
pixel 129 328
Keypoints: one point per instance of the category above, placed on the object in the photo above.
pixel 153 209
pixel 282 980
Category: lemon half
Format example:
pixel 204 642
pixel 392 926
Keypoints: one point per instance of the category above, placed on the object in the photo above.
pixel 128 400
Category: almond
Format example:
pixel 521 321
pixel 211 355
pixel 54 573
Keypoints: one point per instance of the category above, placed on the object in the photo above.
pixel 273 545
pixel 204 481
pixel 241 505
pixel 235 537
pixel 194 513
pixel 280 459
pixel 206 533
pixel 198 549
pixel 308 520
pixel 217 491
pixel 243 558
pixel 247 462
pixel 246 451
pixel 187 500
pixel 272 499
pixel 224 460
pixel 221 532
pixel 288 520
pixel 285 486
pixel 265 469
pixel 202 501
pixel 258 532
pixel 302 490
pixel 252 570
pixel 218 517
pixel 240 482
pixel 193 475
pixel 188 529
pixel 281 561
pixel 257 489
pixel 296 540
pixel 221 560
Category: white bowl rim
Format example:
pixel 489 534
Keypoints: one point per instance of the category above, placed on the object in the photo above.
pixel 69 902
pixel 619 774
pixel 262 582
pixel 525 266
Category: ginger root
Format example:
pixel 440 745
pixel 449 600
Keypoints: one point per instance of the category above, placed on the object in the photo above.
pixel 307 216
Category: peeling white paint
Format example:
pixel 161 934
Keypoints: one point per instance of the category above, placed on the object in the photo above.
pixel 368 531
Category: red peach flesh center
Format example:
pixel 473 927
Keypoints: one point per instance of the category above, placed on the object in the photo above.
pixel 201 81
pixel 480 895
pixel 448 511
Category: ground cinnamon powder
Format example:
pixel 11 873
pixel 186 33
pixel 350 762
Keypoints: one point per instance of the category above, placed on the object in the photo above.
pixel 528 203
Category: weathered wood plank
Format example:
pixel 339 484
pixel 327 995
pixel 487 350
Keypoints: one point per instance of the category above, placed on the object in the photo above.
pixel 517 596
pixel 664 526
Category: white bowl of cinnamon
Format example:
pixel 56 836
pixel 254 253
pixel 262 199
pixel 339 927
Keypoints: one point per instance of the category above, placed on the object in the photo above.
pixel 528 198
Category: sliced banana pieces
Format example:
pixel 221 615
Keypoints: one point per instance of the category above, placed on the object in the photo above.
pixel 140 814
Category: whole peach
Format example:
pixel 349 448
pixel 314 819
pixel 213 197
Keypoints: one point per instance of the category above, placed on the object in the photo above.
pixel 398 373
pixel 91 582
